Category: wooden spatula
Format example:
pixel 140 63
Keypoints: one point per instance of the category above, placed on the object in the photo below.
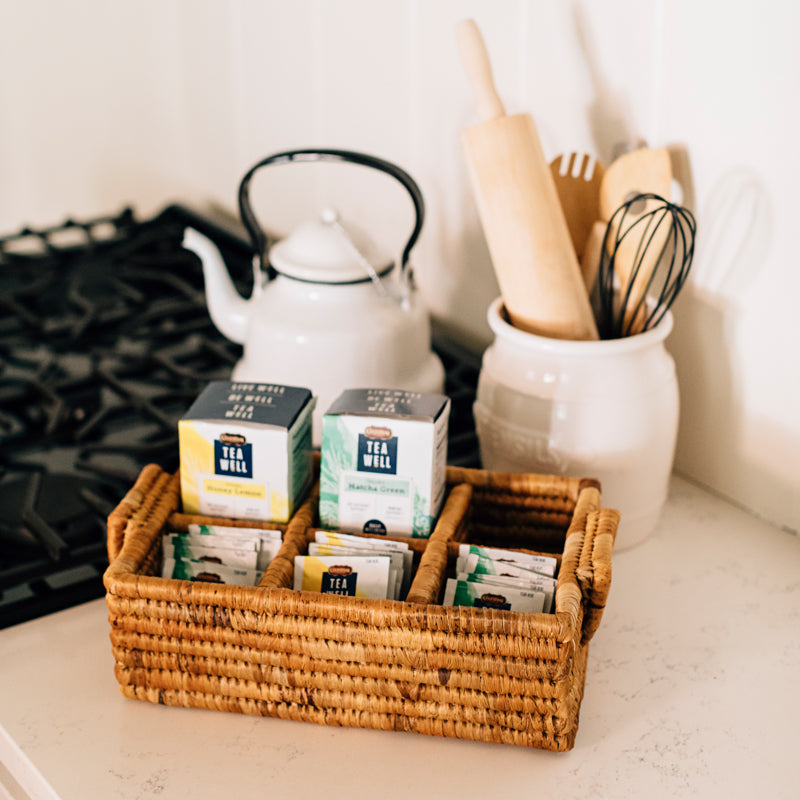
pixel 578 177
pixel 643 170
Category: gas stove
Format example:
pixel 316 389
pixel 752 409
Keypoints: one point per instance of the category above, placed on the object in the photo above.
pixel 105 341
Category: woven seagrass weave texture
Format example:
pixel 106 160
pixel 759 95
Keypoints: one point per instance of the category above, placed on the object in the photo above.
pixel 409 665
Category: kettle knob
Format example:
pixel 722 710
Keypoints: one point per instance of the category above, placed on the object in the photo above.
pixel 330 216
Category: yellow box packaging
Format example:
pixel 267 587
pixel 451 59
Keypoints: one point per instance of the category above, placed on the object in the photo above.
pixel 245 451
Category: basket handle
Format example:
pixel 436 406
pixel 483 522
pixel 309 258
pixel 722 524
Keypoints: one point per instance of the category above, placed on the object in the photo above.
pixel 152 496
pixel 594 567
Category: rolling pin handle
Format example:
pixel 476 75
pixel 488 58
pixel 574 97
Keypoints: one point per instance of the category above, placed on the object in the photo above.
pixel 479 70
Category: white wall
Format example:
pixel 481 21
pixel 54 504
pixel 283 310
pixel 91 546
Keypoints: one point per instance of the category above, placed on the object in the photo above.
pixel 104 104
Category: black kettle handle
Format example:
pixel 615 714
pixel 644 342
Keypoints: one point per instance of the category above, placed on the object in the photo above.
pixel 256 232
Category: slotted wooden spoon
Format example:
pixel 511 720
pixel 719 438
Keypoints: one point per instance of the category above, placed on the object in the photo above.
pixel 578 178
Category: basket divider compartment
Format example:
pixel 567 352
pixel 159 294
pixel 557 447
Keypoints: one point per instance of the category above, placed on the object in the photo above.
pixel 411 665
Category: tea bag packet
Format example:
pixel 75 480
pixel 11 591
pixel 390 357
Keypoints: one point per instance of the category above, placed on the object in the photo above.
pixel 484 595
pixel 247 539
pixel 537 583
pixel 395 561
pixel 241 553
pixel 178 547
pixel 351 575
pixel 189 570
pixel 385 545
pixel 245 451
pixel 480 567
pixel 383 462
pixel 266 541
pixel 546 565
pixel 489 566
pixel 234 532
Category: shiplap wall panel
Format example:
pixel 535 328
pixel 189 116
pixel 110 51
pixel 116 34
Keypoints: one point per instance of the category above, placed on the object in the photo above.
pixel 737 326
pixel 106 104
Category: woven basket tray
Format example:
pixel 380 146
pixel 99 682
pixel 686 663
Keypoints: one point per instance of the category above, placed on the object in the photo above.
pixel 470 673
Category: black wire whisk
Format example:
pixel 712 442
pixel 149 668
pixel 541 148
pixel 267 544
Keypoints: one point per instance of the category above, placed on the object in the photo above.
pixel 645 259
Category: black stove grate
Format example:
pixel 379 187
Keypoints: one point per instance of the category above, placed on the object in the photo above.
pixel 105 341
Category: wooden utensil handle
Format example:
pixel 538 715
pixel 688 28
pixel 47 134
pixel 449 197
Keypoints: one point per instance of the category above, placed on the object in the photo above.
pixel 592 253
pixel 479 70
pixel 525 229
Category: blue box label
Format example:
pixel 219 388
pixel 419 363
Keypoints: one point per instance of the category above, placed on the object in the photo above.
pixel 233 458
pixel 377 454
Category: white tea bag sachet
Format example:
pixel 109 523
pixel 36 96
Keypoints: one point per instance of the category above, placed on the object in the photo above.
pixel 538 583
pixel 395 561
pixel 486 595
pixel 546 565
pixel 237 553
pixel 489 566
pixel 267 540
pixel 234 532
pixel 188 570
pixel 230 556
pixel 249 542
pixel 354 576
pixel 385 545
pixel 496 578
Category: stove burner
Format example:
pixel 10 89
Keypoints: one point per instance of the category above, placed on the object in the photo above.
pixel 105 341
pixel 37 506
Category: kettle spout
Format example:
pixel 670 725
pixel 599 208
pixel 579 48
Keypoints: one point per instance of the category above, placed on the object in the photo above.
pixel 228 309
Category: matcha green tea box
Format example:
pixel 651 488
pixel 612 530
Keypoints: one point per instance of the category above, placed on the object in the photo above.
pixel 246 451
pixel 383 461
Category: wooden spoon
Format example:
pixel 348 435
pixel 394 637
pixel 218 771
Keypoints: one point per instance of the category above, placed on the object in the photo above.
pixel 579 193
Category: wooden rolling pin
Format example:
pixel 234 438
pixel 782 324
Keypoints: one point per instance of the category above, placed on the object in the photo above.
pixel 529 242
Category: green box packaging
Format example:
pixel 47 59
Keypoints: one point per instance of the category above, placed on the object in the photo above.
pixel 383 462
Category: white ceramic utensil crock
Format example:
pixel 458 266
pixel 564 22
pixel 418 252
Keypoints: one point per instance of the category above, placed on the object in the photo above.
pixel 603 409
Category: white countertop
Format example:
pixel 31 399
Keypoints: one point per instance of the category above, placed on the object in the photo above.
pixel 693 690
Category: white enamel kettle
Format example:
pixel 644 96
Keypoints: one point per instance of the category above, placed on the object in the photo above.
pixel 336 315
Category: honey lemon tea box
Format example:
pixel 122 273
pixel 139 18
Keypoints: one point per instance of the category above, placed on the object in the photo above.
pixel 383 461
pixel 245 451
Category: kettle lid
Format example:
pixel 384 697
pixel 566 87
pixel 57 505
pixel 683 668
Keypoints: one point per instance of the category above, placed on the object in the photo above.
pixel 323 251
